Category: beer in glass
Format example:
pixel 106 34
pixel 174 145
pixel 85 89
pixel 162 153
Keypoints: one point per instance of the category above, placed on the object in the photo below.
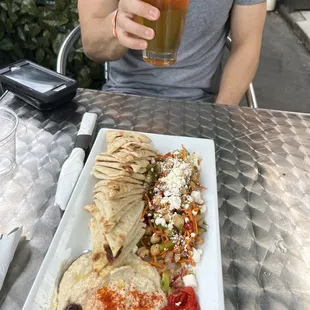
pixel 162 49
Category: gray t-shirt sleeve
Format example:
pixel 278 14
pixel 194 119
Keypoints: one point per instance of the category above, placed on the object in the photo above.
pixel 248 2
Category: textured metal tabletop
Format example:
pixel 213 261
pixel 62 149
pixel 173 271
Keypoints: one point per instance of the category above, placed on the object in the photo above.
pixel 263 165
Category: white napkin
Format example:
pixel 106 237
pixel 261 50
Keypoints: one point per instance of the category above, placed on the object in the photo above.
pixel 8 246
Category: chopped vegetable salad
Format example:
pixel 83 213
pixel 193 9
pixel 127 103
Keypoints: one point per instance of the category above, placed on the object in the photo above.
pixel 174 215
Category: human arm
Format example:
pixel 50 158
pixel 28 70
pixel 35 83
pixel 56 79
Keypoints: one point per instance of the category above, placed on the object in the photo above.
pixel 246 26
pixel 98 40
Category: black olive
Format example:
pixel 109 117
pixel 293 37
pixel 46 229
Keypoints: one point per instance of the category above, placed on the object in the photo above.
pixel 74 307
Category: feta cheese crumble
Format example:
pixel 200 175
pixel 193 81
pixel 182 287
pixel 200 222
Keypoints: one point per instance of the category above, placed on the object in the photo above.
pixel 160 221
pixel 190 280
pixel 196 255
pixel 196 196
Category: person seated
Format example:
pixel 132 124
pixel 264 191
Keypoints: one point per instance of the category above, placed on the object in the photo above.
pixel 197 73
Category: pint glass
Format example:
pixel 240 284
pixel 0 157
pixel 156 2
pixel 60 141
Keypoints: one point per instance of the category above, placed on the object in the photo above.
pixel 162 50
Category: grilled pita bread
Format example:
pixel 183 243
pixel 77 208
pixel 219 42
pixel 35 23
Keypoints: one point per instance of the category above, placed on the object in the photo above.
pixel 95 212
pixel 104 157
pixel 122 172
pixel 112 173
pixel 109 224
pixel 116 140
pixel 118 186
pixel 111 135
pixel 132 232
pixel 125 157
pixel 128 144
pixel 130 168
pixel 138 234
pixel 140 153
pixel 134 146
pixel 109 194
pixel 117 158
pixel 120 234
pixel 99 256
pixel 128 157
pixel 108 208
pixel 124 254
pixel 102 176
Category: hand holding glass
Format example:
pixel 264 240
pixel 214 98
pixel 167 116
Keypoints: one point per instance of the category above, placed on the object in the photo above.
pixel 154 26
pixel 162 49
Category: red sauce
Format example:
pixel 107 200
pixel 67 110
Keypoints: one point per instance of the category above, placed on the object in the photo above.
pixel 114 300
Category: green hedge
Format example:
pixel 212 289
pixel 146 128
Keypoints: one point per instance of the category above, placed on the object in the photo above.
pixel 35 32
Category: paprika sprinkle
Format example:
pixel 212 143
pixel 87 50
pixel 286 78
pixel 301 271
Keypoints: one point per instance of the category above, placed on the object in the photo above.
pixel 127 299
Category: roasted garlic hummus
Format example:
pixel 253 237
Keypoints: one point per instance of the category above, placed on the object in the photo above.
pixel 134 285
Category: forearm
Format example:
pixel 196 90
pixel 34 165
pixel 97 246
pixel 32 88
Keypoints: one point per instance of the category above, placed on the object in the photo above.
pixel 238 73
pixel 99 44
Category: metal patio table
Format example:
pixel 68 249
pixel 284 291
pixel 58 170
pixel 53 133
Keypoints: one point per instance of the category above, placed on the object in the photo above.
pixel 263 166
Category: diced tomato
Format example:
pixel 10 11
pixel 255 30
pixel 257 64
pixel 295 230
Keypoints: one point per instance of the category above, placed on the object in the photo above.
pixel 182 299
pixel 171 307
pixel 189 226
pixel 192 302
pixel 178 296
pixel 167 155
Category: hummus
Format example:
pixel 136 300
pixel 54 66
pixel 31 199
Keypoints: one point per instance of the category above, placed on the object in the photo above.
pixel 135 285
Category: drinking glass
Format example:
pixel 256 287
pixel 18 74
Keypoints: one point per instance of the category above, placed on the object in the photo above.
pixel 8 127
pixel 163 48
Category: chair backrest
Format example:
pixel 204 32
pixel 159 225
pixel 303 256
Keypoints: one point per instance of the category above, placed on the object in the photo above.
pixel 75 35
pixel 65 48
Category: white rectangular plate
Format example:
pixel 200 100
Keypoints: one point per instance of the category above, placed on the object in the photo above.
pixel 73 235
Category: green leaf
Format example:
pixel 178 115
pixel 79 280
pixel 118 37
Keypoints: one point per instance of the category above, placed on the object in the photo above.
pixel 22 20
pixel 84 83
pixel 4 5
pixel 79 50
pixel 55 20
pixel 60 5
pixel 43 42
pixel 21 33
pixel 3 16
pixel 78 58
pixel 9 26
pixel 70 56
pixel 30 45
pixel 13 17
pixel 15 7
pixel 47 34
pixel 34 29
pixel 6 44
pixel 58 42
pixel 29 6
pixel 85 72
pixel 46 13
pixel 40 55
pixel 34 32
